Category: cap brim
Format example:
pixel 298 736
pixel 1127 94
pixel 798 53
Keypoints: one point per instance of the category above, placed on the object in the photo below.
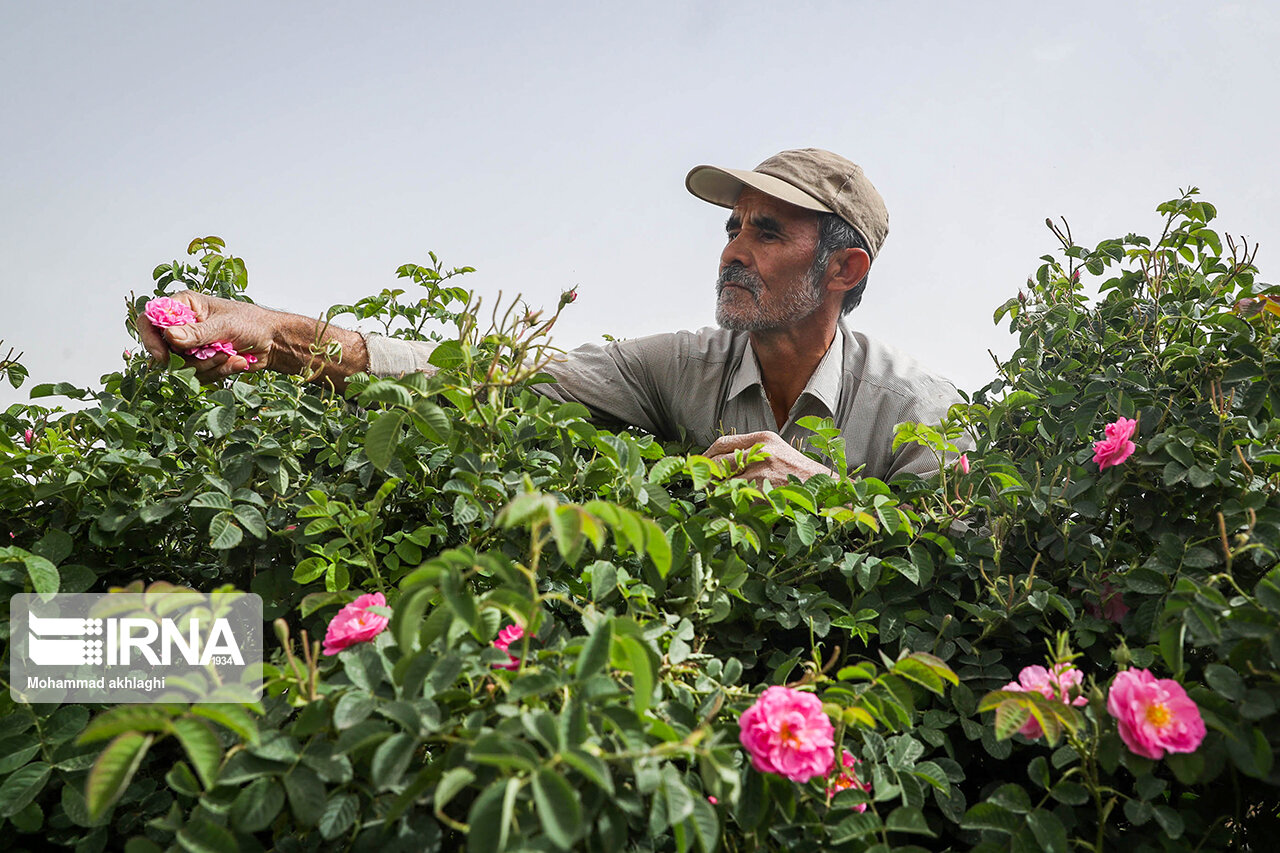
pixel 723 186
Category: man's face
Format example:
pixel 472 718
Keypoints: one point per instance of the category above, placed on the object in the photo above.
pixel 764 269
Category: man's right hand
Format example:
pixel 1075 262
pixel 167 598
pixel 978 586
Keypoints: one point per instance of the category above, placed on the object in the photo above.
pixel 278 340
pixel 248 327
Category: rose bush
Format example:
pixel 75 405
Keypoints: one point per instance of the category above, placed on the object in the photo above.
pixel 659 599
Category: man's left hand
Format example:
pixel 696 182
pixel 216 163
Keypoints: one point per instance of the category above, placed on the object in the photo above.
pixel 783 460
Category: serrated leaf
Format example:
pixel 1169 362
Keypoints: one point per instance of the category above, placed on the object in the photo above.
pixel 224 533
pixel 391 759
pixel 382 437
pixel 595 653
pixel 256 807
pixel 201 746
pixel 113 771
pixel 557 807
pixel 306 794
pixel 22 786
pixel 201 835
pixel 45 579
pixel 339 813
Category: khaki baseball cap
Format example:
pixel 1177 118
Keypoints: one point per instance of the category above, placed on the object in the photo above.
pixel 807 177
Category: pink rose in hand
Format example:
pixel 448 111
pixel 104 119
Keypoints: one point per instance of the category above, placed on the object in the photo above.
pixel 210 350
pixel 1056 684
pixel 1116 447
pixel 507 636
pixel 1154 715
pixel 786 732
pixel 355 624
pixel 165 312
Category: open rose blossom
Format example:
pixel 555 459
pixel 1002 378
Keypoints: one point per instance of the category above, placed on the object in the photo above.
pixel 165 312
pixel 786 732
pixel 1116 447
pixel 1057 684
pixel 1154 715
pixel 848 778
pixel 507 636
pixel 355 624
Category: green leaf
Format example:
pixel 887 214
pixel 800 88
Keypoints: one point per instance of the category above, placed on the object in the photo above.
pixel 21 787
pixel 256 806
pixel 1050 834
pixel 251 518
pixel 432 421
pixel 55 546
pixel 201 746
pixel 223 532
pixel 630 655
pixel 451 783
pixel 113 771
pixel 706 825
pixel 222 420
pixel 44 575
pixel 124 718
pixel 339 813
pixel 558 808
pixel 460 601
pixel 595 653
pixel 382 437
pixel 306 794
pixel 200 835
pixel 488 819
pixel 908 819
pixel 991 816
pixel 233 717
pixel 391 760
pixel 854 826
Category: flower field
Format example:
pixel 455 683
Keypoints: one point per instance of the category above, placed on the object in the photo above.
pixel 497 626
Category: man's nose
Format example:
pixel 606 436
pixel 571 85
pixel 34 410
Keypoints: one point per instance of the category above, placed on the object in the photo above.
pixel 734 252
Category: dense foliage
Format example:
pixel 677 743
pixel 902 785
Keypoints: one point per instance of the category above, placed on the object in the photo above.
pixel 660 596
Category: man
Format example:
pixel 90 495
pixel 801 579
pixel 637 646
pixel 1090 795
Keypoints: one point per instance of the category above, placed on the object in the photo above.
pixel 804 229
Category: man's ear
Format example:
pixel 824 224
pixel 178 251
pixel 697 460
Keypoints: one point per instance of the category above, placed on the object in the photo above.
pixel 847 268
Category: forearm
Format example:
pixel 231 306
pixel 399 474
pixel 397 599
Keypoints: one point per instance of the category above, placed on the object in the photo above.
pixel 301 345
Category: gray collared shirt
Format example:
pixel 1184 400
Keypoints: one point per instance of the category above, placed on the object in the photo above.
pixel 698 386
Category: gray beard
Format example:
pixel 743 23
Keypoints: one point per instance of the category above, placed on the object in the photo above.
pixel 800 303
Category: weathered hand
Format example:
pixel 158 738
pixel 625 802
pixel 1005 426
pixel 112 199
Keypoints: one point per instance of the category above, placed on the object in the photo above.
pixel 783 460
pixel 248 327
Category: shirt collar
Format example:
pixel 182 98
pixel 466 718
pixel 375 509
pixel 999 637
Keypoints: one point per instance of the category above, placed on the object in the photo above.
pixel 823 385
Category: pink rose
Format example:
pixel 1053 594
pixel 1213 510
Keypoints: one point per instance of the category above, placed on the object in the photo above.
pixel 1112 605
pixel 712 800
pixel 1116 447
pixel 507 636
pixel 1056 684
pixel 963 463
pixel 1154 715
pixel 355 624
pixel 165 312
pixel 786 732
pixel 210 350
pixel 29 437
pixel 848 778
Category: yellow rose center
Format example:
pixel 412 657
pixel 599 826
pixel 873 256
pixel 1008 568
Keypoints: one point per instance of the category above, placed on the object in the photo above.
pixel 1158 715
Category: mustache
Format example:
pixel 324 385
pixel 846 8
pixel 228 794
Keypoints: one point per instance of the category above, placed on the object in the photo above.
pixel 741 276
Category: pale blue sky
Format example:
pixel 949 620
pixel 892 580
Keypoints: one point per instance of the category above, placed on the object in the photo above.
pixel 547 144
